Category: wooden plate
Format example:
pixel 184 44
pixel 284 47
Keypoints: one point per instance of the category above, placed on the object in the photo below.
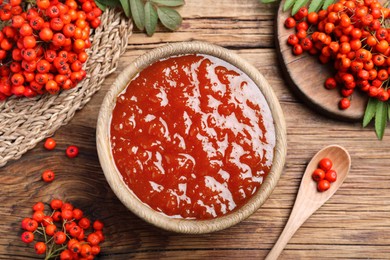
pixel 306 76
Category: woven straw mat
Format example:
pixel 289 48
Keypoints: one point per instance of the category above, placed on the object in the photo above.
pixel 25 122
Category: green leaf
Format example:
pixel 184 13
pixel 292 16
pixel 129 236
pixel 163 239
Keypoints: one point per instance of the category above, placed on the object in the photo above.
pixel 111 3
pixel 381 119
pixel 126 7
pixel 288 4
pixel 101 6
pixel 138 13
pixel 298 4
pixel 370 111
pixel 170 2
pixel 315 5
pixel 150 18
pixel 169 18
pixel 327 4
pixel 389 112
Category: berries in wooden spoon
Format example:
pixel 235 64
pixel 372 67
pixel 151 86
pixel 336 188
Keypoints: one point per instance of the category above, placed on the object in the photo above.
pixel 324 175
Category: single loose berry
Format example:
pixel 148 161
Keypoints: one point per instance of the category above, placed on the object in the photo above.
pixel 48 176
pixel 50 144
pixel 72 151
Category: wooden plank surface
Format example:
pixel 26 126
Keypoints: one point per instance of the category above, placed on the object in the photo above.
pixel 355 223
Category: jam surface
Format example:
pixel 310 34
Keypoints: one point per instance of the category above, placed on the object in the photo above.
pixel 192 136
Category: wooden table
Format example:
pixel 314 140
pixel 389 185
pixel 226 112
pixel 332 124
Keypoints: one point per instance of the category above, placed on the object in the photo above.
pixel 355 223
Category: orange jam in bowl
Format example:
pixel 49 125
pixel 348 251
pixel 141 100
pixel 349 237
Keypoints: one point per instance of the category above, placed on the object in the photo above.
pixel 192 136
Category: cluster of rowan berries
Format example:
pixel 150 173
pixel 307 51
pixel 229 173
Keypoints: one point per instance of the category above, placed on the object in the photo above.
pixel 42 45
pixel 353 35
pixel 64 232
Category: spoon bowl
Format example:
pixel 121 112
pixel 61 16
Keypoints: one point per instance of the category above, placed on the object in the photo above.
pixel 309 199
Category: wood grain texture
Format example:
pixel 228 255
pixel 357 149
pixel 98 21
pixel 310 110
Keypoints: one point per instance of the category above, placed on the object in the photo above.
pixel 306 76
pixel 353 224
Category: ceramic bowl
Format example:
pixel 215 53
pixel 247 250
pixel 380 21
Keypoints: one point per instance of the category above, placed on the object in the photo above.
pixel 114 178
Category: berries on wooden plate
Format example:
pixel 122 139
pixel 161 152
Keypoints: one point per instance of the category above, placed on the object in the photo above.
pixel 353 37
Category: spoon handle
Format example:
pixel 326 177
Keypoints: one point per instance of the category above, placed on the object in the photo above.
pixel 293 223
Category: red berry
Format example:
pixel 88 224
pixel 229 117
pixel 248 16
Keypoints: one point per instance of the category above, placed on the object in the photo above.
pixel 59 237
pixel 331 176
pixel 325 164
pixel 344 103
pixel 290 23
pixel 40 248
pixel 50 144
pixel 98 225
pixel 56 204
pixel 27 237
pixel 48 176
pixel 84 223
pixel 323 185
pixel 72 151
pixel 297 49
pixel 50 229
pixel 318 175
pixel 93 239
pixel 39 206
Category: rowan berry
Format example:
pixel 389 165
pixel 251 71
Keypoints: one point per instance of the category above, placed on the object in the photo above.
pixel 59 237
pixel 325 164
pixel 93 239
pixel 302 13
pixel 50 229
pixel 39 206
pixel 98 225
pixel 318 175
pixel 72 151
pixel 66 255
pixel 331 175
pixel 292 40
pixel 30 225
pixel 48 176
pixel 50 144
pixel 75 231
pixel 344 103
pixel 84 223
pixel 27 237
pixel 323 185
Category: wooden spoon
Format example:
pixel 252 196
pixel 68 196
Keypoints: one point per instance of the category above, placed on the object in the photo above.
pixel 309 199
